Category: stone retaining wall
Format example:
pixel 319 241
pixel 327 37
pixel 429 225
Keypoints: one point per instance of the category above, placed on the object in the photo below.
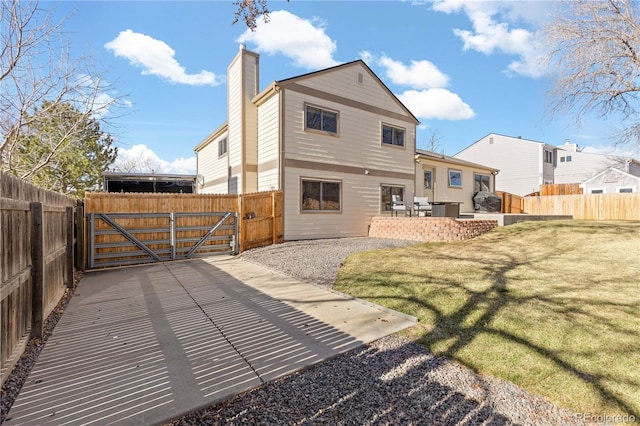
pixel 432 229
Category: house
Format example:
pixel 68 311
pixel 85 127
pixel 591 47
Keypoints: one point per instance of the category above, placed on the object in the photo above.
pixel 443 178
pixel 149 182
pixel 336 141
pixel 575 166
pixel 611 181
pixel 525 164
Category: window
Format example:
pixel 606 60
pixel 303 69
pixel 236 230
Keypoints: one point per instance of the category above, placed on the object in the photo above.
pixel 548 156
pixel 392 135
pixel 222 147
pixel 385 196
pixel 568 158
pixel 481 182
pixel 321 119
pixel 428 179
pixel 562 159
pixel 625 190
pixel 320 195
pixel 455 178
pixel 597 191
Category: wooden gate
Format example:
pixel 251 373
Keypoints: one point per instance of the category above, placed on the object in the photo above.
pixel 118 239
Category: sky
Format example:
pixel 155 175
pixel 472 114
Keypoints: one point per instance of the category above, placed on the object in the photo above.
pixel 463 68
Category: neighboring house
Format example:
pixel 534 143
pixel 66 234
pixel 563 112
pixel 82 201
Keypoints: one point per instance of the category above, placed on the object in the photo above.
pixel 149 182
pixel 444 178
pixel 336 141
pixel 525 164
pixel 611 181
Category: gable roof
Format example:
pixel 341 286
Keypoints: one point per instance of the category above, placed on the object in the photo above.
pixel 517 138
pixel 607 170
pixel 430 155
pixel 272 88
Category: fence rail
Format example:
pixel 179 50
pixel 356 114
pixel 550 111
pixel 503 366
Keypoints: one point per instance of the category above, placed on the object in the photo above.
pixel 593 207
pixel 36 262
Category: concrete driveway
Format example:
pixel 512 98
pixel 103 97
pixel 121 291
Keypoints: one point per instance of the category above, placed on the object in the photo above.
pixel 144 344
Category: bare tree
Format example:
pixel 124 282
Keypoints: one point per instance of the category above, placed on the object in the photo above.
pixel 594 52
pixel 249 11
pixel 37 75
pixel 135 165
pixel 434 140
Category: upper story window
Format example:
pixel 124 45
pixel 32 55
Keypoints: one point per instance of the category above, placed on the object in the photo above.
pixel 566 158
pixel 548 157
pixel 481 182
pixel 321 119
pixel 222 147
pixel 392 135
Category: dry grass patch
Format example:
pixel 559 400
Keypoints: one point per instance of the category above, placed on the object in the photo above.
pixel 550 306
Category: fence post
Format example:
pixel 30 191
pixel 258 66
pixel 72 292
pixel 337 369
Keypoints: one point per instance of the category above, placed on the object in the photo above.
pixel 79 231
pixel 37 269
pixel 274 236
pixel 69 260
pixel 172 234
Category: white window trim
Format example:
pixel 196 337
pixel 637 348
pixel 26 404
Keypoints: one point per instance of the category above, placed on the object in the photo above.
pixel 597 189
pixel 625 187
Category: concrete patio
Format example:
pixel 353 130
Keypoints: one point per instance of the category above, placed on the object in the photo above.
pixel 144 344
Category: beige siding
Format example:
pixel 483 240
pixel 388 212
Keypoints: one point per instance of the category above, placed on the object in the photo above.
pixel 235 102
pixel 356 156
pixel 213 168
pixel 441 189
pixel 518 160
pixel 343 82
pixel 268 145
pixel 358 142
pixel 251 122
pixel 360 200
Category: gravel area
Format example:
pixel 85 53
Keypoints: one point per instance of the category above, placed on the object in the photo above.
pixel 390 381
pixel 316 261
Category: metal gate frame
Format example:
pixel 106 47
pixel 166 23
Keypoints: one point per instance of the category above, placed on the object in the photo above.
pixel 173 251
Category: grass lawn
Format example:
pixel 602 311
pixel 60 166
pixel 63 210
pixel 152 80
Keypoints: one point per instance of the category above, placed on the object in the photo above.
pixel 553 307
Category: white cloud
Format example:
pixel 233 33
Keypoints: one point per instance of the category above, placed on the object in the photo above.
pixel 304 41
pixel 490 36
pixel 429 99
pixel 155 57
pixel 436 103
pixel 141 159
pixel 419 75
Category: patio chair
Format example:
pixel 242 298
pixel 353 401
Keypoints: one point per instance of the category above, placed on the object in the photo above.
pixel 422 204
pixel 397 205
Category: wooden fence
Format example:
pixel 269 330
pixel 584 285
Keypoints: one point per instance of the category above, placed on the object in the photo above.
pixel 560 189
pixel 594 206
pixel 511 203
pixel 36 262
pixel 260 214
